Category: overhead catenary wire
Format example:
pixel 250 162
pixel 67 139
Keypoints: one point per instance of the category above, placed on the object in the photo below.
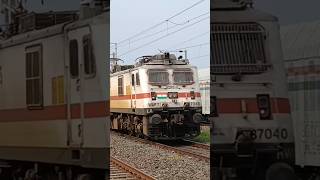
pixel 192 46
pixel 165 29
pixel 162 22
pixel 199 57
pixel 192 38
pixel 155 40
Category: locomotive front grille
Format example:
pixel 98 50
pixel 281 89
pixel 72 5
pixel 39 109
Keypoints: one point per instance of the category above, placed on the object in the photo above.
pixel 238 47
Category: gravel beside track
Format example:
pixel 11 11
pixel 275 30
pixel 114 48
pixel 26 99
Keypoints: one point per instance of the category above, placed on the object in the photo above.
pixel 160 163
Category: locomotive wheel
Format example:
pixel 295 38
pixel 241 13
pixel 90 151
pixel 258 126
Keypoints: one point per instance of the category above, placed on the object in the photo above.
pixel 84 177
pixel 280 171
pixel 131 130
pixel 56 175
pixel 131 133
pixel 17 174
pixel 141 135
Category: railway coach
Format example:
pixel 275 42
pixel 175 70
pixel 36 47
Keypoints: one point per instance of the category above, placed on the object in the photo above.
pixel 300 44
pixel 158 98
pixel 204 83
pixel 54 95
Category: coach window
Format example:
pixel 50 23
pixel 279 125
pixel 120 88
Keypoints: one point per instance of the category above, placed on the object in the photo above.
pixel 120 86
pixel 89 60
pixel 74 59
pixel 137 79
pixel 34 90
pixel 132 79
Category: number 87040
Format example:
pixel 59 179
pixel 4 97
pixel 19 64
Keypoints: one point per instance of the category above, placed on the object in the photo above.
pixel 269 134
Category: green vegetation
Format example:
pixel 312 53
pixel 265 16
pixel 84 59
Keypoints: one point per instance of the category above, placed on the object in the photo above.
pixel 204 137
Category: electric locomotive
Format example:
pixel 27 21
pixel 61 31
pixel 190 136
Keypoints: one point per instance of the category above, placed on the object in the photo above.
pixel 158 98
pixel 250 110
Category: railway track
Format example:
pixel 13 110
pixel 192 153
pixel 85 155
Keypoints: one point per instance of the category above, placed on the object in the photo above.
pixel 121 170
pixel 199 145
pixel 184 147
pixel 191 148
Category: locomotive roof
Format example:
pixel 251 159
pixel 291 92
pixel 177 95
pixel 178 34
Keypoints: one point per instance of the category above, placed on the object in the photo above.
pixel 152 66
pixel 165 59
pixel 32 35
pixel 301 41
pixel 49 31
pixel 230 4
pixel 241 16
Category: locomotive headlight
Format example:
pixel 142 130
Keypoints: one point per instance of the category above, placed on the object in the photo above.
pixel 155 119
pixel 264 105
pixel 197 118
pixel 153 96
pixel 172 95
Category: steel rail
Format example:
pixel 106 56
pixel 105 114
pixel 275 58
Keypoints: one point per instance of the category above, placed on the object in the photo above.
pixel 198 145
pixel 125 171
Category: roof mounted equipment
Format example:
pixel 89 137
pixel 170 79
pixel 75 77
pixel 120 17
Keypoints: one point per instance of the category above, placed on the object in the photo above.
pixel 230 4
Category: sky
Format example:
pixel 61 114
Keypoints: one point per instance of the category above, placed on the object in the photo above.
pixel 130 17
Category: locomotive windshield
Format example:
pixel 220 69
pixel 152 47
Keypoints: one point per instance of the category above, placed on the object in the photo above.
pixel 183 76
pixel 158 77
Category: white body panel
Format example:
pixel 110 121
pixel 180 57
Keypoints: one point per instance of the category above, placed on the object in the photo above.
pixel 301 50
pixel 204 83
pixel 78 122
pixel 271 82
pixel 139 96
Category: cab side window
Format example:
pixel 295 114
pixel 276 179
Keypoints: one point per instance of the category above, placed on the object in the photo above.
pixel 88 55
pixel 74 59
pixel 34 77
pixel 132 80
pixel 120 86
pixel 137 79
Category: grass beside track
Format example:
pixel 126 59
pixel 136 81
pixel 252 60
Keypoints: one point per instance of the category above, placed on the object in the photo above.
pixel 204 137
